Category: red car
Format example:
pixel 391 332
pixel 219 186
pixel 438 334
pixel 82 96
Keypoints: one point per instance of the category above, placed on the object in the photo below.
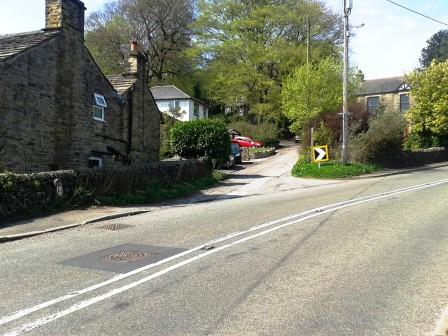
pixel 245 142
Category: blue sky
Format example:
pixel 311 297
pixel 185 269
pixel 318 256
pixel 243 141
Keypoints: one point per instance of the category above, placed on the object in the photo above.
pixel 388 45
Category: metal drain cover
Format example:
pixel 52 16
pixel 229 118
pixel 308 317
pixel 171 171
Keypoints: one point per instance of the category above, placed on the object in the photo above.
pixel 122 258
pixel 115 227
pixel 125 256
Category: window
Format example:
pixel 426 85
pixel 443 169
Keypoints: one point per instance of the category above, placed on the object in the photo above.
pixel 95 162
pixel 404 102
pixel 175 104
pixel 196 110
pixel 373 103
pixel 100 101
pixel 98 107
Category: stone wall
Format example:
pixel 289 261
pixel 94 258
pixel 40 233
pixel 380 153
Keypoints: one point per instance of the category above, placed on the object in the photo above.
pixel 46 105
pixel 21 192
pixel 415 158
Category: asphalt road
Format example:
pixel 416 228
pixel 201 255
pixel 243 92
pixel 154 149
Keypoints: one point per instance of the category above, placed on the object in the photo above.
pixel 374 262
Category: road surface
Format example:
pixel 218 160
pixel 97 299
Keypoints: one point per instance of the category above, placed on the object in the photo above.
pixel 359 257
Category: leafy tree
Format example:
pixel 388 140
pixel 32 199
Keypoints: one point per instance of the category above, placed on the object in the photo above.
pixel 428 116
pixel 162 29
pixel 247 47
pixel 312 91
pixel 436 49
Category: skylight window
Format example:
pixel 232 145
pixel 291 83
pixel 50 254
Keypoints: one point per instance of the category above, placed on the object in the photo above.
pixel 100 101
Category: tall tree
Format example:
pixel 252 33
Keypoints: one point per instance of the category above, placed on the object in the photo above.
pixel 249 46
pixel 310 92
pixel 436 49
pixel 429 115
pixel 162 29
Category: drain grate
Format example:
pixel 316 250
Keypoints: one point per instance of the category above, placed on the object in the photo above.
pixel 115 227
pixel 126 256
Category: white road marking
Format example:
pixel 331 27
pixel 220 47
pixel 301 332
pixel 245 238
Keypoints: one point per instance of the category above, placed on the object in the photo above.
pixel 83 304
pixel 442 324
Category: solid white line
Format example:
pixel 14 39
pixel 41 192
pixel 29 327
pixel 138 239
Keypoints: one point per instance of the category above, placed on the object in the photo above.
pixel 442 324
pixel 86 303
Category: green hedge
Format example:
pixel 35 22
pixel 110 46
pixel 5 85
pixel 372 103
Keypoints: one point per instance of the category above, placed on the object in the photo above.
pixel 199 138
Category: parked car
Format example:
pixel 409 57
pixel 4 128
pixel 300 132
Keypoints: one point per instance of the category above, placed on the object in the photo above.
pixel 235 150
pixel 245 142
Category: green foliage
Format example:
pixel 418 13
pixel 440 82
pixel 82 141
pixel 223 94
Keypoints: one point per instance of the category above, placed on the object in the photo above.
pixel 421 141
pixel 312 91
pixel 428 116
pixel 248 47
pixel 331 170
pixel 200 138
pixel 267 133
pixel 156 192
pixel 381 141
pixel 7 182
pixel 323 136
pixel 436 49
pixel 165 136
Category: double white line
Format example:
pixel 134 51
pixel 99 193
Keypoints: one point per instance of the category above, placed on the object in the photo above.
pixel 249 234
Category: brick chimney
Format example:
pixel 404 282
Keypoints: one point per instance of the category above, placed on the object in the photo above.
pixel 65 14
pixel 136 62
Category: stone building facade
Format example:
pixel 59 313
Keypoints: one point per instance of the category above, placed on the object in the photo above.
pixel 391 93
pixel 59 111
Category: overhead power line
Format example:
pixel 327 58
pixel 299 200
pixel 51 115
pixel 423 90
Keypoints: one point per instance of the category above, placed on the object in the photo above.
pixel 418 13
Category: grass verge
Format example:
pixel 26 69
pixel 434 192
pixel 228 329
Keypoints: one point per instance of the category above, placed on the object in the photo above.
pixel 330 170
pixel 156 192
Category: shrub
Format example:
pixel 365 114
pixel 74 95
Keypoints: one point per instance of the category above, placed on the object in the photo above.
pixel 200 138
pixel 323 136
pixel 165 136
pixel 419 140
pixel 382 140
pixel 267 133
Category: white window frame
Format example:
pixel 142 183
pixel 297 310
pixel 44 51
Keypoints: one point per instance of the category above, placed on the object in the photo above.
pixel 100 104
pixel 102 113
pixel 100 100
pixel 96 158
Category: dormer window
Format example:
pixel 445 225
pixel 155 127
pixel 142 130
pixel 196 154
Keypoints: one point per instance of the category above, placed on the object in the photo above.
pixel 98 107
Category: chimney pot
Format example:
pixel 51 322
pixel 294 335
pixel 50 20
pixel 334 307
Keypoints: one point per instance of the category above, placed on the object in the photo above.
pixel 134 46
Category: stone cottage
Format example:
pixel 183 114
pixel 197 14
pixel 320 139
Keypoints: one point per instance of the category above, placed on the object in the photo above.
pixel 391 93
pixel 57 108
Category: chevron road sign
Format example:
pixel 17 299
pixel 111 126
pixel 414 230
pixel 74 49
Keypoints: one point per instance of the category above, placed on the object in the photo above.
pixel 320 153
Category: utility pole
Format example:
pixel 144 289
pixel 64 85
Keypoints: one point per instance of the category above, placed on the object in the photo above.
pixel 348 5
pixel 308 59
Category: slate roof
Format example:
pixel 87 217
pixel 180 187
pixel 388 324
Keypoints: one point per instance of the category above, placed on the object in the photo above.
pixel 121 83
pixel 167 92
pixel 13 44
pixel 382 85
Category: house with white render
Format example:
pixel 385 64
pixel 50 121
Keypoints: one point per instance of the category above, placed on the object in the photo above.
pixel 176 103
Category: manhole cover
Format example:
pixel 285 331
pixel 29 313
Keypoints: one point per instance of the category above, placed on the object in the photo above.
pixel 115 227
pixel 126 256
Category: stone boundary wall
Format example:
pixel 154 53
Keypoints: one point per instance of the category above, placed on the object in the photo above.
pixel 23 192
pixel 416 158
